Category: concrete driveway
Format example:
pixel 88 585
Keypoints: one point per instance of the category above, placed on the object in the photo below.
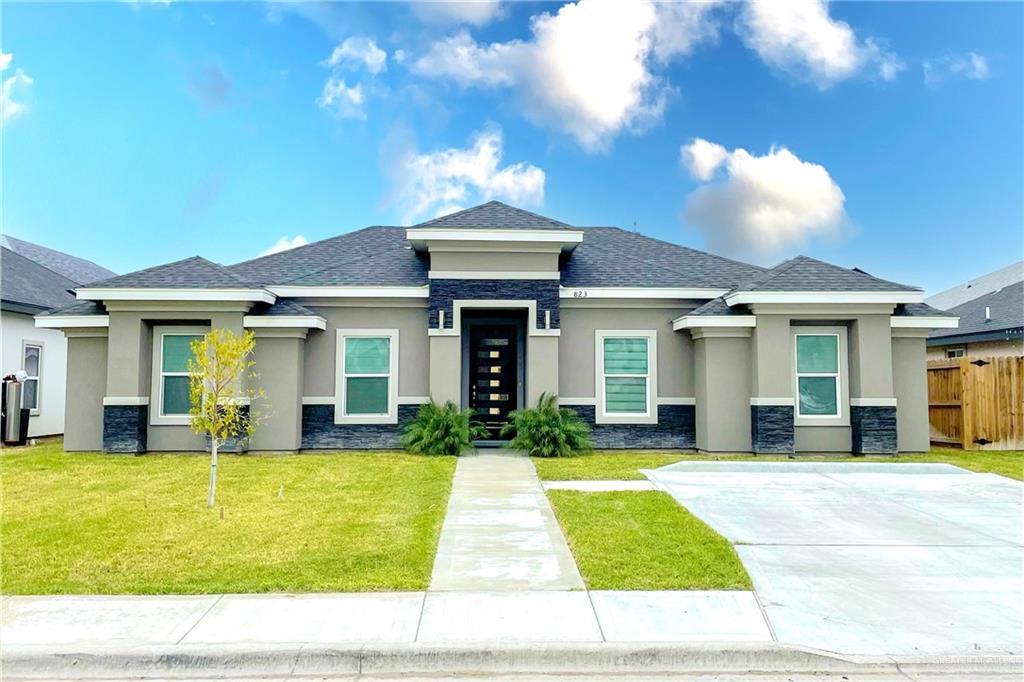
pixel 870 558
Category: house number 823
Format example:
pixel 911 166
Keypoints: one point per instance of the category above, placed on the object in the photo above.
pixel 579 293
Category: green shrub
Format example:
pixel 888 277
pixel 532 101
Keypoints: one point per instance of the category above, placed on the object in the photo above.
pixel 442 430
pixel 548 430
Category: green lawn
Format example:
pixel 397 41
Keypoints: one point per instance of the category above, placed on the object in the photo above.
pixel 644 541
pixel 626 465
pixel 93 523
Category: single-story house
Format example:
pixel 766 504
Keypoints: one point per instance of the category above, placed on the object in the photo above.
pixel 36 279
pixel 655 345
pixel 991 313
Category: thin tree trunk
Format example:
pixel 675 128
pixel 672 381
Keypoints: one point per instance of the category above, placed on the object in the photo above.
pixel 211 495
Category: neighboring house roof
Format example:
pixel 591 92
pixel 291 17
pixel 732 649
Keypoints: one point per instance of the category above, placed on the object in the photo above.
pixel 804 273
pixel 495 214
pixel 190 273
pixel 1006 308
pixel 76 269
pixel 28 287
pixel 972 289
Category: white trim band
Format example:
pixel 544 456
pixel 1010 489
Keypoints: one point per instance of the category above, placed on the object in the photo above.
pixel 292 291
pixel 418 235
pixel 773 402
pixel 173 294
pixel 569 402
pixel 284 321
pixel 585 292
pixel 873 402
pixel 329 400
pixel 474 274
pixel 675 401
pixel 125 400
pixel 923 322
pixel 748 297
pixel 71 321
pixel 719 321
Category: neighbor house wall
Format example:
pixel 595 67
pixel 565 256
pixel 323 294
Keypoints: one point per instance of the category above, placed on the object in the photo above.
pixel 19 328
pixel 981 349
pixel 86 382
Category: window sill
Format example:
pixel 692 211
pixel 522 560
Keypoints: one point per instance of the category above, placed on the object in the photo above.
pixel 828 421
pixel 625 419
pixel 354 420
pixel 170 421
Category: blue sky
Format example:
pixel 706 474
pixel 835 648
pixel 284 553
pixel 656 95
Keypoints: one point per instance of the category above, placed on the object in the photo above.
pixel 885 136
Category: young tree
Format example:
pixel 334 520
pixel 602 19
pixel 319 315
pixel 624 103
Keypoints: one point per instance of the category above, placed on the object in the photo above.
pixel 222 387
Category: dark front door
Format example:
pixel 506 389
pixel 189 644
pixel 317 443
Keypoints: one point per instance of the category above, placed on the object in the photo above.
pixel 493 373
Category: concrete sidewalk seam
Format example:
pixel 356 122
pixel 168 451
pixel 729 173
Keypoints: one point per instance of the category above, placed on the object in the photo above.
pixel 200 618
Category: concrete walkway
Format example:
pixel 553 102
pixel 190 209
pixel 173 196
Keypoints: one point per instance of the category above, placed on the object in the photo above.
pixel 500 533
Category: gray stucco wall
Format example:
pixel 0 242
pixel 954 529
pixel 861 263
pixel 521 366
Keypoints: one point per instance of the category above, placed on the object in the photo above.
pixel 722 382
pixel 86 382
pixel 413 347
pixel 493 262
pixel 280 366
pixel 577 353
pixel 823 439
pixel 910 384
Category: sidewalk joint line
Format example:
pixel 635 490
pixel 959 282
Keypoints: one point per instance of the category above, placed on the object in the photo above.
pixel 419 621
pixel 597 619
pixel 764 613
pixel 200 619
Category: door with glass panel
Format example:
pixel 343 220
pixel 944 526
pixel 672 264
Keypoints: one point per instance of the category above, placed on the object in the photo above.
pixel 493 373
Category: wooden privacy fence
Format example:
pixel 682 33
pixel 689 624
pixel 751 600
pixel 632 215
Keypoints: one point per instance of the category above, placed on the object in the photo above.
pixel 976 403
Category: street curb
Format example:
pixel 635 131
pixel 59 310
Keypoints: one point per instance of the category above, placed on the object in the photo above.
pixel 175 661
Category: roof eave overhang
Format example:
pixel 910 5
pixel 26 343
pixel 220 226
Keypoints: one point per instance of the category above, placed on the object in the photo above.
pixel 682 293
pixel 713 321
pixel 71 321
pixel 923 322
pixel 837 297
pixel 284 322
pixel 421 238
pixel 300 291
pixel 173 294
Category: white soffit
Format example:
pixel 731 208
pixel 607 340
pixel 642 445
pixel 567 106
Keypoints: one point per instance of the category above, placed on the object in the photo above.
pixel 696 321
pixel 284 322
pixel 479 274
pixel 419 237
pixel 748 297
pixel 293 291
pixel 71 321
pixel 173 294
pixel 639 292
pixel 924 322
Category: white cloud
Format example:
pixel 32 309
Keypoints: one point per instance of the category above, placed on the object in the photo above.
pixel 341 100
pixel 434 183
pixel 702 158
pixel 587 68
pixel 359 50
pixel 799 37
pixel 760 206
pixel 476 12
pixel 971 65
pixel 285 243
pixel 12 86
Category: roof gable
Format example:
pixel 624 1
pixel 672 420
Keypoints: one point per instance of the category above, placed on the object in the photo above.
pixel 190 273
pixel 804 273
pixel 494 214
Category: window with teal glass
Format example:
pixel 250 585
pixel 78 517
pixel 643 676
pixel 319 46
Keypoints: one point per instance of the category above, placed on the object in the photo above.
pixel 817 375
pixel 367 375
pixel 174 382
pixel 626 375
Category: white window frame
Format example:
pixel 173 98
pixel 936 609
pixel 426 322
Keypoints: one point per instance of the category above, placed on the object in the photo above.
pixel 952 352
pixel 37 377
pixel 340 417
pixel 156 402
pixel 842 418
pixel 602 416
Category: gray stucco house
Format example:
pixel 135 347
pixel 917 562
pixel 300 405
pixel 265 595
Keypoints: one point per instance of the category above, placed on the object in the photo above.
pixel 655 344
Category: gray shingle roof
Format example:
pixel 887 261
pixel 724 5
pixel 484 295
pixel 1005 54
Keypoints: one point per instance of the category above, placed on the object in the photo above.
pixel 283 307
pixel 809 274
pixel 611 256
pixel 28 287
pixel 718 306
pixel 1007 312
pixel 76 269
pixel 373 256
pixel 495 214
pixel 918 310
pixel 190 273
pixel 79 308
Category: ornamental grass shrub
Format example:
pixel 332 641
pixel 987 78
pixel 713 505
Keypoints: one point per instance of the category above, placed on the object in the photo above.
pixel 442 430
pixel 548 430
